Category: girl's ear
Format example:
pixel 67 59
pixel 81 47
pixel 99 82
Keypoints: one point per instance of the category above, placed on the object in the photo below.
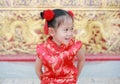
pixel 51 31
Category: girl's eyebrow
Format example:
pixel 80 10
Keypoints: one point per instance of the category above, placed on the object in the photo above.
pixel 68 26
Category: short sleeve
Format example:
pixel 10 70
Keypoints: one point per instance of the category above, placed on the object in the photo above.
pixel 78 44
pixel 75 48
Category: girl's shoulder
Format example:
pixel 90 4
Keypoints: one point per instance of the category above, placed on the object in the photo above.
pixel 40 47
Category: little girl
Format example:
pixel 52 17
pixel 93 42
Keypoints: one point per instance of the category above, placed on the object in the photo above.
pixel 57 53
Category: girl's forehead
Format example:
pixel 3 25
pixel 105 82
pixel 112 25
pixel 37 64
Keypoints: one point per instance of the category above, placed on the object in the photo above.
pixel 64 21
pixel 67 22
pixel 66 25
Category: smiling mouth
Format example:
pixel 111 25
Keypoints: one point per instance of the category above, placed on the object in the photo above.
pixel 68 39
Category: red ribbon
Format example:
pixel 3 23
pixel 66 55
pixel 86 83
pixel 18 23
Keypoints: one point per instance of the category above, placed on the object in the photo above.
pixel 46 27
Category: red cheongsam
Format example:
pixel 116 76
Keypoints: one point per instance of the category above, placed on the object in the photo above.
pixel 58 62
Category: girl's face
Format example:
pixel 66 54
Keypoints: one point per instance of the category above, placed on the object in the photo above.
pixel 64 33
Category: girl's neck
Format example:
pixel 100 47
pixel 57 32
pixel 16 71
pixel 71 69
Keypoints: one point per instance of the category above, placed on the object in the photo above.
pixel 56 42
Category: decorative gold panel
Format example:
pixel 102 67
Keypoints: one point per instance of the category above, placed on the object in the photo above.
pixel 97 24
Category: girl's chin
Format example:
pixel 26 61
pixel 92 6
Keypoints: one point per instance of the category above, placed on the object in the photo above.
pixel 66 43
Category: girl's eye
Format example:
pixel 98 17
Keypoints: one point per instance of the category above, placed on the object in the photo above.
pixel 71 28
pixel 65 29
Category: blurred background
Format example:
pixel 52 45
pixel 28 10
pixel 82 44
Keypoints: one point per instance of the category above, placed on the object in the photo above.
pixel 97 23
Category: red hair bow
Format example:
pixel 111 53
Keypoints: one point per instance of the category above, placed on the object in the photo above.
pixel 48 15
pixel 71 13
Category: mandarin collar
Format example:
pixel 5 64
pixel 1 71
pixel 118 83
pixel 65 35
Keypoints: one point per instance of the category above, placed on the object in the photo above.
pixel 58 48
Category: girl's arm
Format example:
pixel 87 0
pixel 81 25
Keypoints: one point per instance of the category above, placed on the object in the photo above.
pixel 81 60
pixel 38 67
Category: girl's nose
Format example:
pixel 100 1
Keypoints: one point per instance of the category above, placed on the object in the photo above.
pixel 70 33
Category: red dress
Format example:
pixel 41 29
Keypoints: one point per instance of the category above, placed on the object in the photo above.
pixel 58 62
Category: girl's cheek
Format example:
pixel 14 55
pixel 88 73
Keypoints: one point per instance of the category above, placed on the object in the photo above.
pixel 74 31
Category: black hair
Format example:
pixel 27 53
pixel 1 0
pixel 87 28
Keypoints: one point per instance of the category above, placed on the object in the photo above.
pixel 56 21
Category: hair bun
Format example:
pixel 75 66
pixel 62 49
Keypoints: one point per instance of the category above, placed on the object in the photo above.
pixel 48 15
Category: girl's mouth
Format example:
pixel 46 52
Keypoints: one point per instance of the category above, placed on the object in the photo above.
pixel 67 39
